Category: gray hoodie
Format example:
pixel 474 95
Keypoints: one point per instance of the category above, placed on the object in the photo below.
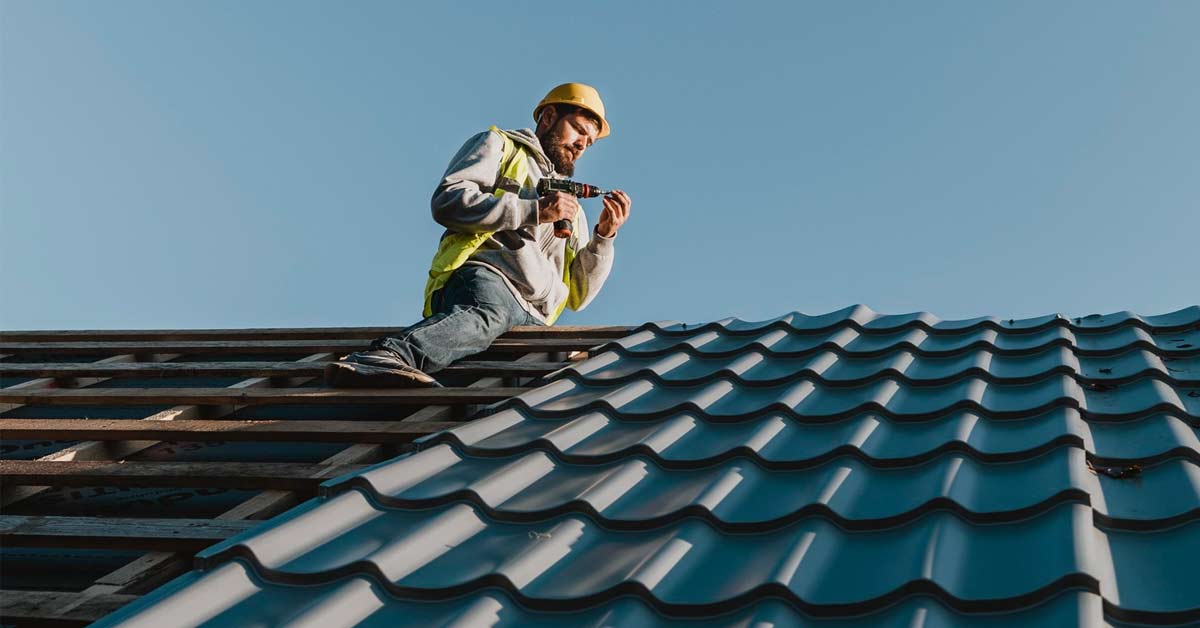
pixel 524 253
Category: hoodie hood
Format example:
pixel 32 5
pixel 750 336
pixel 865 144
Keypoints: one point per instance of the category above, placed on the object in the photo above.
pixel 529 139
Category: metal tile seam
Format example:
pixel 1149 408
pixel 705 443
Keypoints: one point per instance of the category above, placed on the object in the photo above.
pixel 975 372
pixel 842 451
pixel 459 552
pixel 360 601
pixel 753 367
pixel 738 496
pixel 806 399
pixel 1161 437
pixel 984 441
pixel 785 343
pixel 865 319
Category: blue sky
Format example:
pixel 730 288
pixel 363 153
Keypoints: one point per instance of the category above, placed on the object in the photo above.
pixel 246 164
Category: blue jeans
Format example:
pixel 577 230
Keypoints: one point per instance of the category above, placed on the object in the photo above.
pixel 469 312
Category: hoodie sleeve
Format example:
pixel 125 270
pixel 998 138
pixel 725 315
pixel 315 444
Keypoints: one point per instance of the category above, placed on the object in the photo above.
pixel 463 200
pixel 590 268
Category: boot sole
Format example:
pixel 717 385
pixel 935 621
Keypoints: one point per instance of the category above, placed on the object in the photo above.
pixel 352 375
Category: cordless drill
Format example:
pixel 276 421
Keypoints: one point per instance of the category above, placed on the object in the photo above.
pixel 562 228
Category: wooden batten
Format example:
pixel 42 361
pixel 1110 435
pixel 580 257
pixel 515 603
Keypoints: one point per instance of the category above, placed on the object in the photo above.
pixel 116 533
pixel 299 333
pixel 231 347
pixel 57 608
pixel 219 430
pixel 252 369
pixel 252 396
pixel 288 476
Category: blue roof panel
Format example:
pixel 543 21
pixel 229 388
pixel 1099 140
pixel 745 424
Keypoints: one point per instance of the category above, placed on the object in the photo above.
pixel 843 469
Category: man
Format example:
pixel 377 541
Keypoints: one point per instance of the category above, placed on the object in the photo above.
pixel 500 264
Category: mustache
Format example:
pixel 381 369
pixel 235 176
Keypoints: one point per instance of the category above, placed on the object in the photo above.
pixel 563 149
pixel 563 159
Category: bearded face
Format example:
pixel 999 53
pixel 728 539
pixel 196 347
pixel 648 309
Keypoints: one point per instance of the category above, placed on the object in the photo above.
pixel 561 155
pixel 564 139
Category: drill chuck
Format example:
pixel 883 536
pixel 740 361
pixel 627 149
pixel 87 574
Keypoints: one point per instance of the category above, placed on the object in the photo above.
pixel 562 228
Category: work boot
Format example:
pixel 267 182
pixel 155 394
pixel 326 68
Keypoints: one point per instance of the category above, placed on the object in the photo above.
pixel 378 368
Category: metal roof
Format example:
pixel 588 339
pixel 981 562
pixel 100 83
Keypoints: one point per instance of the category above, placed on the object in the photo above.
pixel 844 469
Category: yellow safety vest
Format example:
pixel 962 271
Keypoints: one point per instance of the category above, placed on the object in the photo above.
pixel 456 248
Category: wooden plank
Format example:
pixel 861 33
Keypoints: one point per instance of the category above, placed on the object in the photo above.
pixel 258 396
pixel 297 333
pixel 291 476
pixel 268 346
pixel 253 369
pixel 58 608
pixel 222 430
pixel 117 533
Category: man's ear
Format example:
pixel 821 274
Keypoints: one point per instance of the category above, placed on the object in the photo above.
pixel 548 117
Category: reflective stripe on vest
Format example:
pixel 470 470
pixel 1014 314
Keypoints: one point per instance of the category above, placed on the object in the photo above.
pixel 456 248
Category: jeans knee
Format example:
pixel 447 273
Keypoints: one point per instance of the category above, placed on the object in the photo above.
pixel 495 319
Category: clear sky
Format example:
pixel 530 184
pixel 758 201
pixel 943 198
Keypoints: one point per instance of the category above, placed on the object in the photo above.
pixel 247 164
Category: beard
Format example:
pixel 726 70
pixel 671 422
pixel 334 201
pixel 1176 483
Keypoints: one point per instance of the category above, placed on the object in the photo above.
pixel 561 156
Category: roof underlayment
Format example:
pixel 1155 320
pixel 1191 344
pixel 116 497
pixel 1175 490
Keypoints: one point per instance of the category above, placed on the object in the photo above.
pixel 848 469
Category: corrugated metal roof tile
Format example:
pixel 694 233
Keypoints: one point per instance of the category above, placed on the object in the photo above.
pixel 850 467
pixel 781 441
pixel 804 398
pixel 741 495
pixel 457 548
pixel 757 368
pixel 849 341
pixel 233 595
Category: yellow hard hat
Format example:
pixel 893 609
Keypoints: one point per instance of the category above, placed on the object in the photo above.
pixel 577 94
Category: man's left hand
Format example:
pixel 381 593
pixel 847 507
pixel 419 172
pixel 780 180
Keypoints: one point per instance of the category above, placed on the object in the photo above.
pixel 616 212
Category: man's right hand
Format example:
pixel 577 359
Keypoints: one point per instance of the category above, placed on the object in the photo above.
pixel 557 206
